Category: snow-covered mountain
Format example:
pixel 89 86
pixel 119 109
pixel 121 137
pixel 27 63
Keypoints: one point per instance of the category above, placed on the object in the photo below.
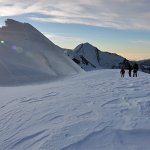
pixel 26 55
pixel 98 110
pixel 91 58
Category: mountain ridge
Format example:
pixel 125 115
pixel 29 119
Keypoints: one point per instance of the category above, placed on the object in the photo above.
pixel 90 57
pixel 26 55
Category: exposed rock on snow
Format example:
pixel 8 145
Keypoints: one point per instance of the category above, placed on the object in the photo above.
pixel 91 58
pixel 26 55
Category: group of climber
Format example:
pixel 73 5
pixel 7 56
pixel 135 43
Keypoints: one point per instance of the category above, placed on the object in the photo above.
pixel 130 68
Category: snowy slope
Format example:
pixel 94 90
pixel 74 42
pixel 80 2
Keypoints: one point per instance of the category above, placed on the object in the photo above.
pixel 93 111
pixel 94 58
pixel 26 55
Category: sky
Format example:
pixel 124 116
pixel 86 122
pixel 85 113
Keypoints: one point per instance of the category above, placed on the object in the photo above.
pixel 117 26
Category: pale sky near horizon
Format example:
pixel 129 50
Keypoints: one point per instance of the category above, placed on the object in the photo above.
pixel 117 26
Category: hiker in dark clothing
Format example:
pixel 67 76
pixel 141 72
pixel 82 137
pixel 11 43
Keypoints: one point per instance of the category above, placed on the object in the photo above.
pixel 122 72
pixel 130 69
pixel 135 69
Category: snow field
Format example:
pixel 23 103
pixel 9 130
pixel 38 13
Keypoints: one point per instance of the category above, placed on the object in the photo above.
pixel 92 111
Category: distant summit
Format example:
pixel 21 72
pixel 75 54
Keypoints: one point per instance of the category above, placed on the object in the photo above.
pixel 91 58
pixel 27 56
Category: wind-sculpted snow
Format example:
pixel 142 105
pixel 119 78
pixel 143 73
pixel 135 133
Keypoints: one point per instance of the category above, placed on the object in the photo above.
pixel 93 111
pixel 26 56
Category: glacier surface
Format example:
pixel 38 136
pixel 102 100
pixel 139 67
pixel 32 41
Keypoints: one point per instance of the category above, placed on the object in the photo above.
pixel 93 111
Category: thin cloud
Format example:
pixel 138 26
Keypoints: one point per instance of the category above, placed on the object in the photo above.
pixel 120 14
pixel 62 37
pixel 141 42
